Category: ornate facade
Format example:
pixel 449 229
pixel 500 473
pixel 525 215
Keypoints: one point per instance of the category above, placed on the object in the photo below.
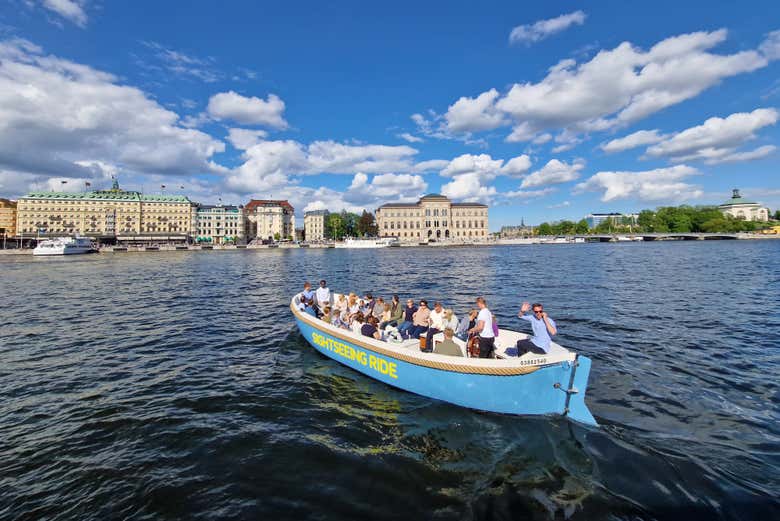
pixel 268 220
pixel 314 224
pixel 114 213
pixel 740 208
pixel 218 224
pixel 433 217
pixel 7 218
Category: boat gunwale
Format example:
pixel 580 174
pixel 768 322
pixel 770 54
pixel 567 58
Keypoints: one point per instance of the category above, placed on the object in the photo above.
pixel 467 368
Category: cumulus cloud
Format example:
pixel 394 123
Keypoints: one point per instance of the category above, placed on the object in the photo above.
pixel 614 88
pixel 471 175
pixel 531 33
pixel 637 139
pixel 72 10
pixel 58 115
pixel 661 184
pixel 363 193
pixel 244 138
pixel 430 165
pixel 248 110
pixel 475 114
pixel 529 194
pixel 554 172
pixel 269 164
pixel 717 139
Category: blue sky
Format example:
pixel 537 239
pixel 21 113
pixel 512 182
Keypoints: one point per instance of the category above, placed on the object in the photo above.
pixel 545 111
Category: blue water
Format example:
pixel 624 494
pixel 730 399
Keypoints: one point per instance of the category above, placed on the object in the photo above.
pixel 176 386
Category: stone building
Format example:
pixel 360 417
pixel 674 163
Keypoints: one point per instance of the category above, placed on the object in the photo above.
pixel 110 214
pixel 314 225
pixel 219 224
pixel 7 218
pixel 740 208
pixel 433 217
pixel 267 220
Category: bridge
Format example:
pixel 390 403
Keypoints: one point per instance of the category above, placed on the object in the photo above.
pixel 615 237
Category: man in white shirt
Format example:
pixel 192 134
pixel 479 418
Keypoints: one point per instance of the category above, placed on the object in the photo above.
pixel 323 295
pixel 435 325
pixel 484 328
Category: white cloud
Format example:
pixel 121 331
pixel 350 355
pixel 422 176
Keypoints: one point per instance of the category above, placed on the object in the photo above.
pixel 58 115
pixel 637 139
pixel 564 204
pixel 771 46
pixel 614 88
pixel 475 114
pixel 410 138
pixel 268 164
pixel 244 138
pixel 248 110
pixel 542 29
pixel 554 172
pixel 363 193
pixel 661 184
pixel 717 139
pixel 471 175
pixel 435 126
pixel 72 10
pixel 430 165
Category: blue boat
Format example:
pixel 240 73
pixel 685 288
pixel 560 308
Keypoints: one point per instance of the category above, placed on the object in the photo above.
pixel 549 384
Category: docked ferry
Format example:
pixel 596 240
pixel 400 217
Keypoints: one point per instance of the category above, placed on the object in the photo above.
pixel 550 384
pixel 65 246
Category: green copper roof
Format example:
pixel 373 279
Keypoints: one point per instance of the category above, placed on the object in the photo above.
pixel 736 198
pixel 108 195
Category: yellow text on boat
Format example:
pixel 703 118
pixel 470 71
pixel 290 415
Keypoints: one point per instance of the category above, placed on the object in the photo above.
pixel 371 361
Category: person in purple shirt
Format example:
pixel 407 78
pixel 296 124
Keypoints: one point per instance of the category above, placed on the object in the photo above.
pixel 543 327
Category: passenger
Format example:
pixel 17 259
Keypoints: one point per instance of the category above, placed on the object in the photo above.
pixel 495 325
pixel 484 330
pixel 364 307
pixel 408 318
pixel 379 308
pixel 353 307
pixel 368 302
pixel 448 345
pixel 357 323
pixel 385 316
pixel 435 325
pixel 396 312
pixel 450 320
pixel 543 327
pixel 466 323
pixel 326 314
pixel 322 295
pixel 340 304
pixel 420 320
pixel 307 295
pixel 370 328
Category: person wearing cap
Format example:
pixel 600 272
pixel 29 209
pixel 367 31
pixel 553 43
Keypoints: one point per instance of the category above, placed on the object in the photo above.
pixel 435 325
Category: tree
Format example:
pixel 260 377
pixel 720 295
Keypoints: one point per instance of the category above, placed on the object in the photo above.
pixel 277 236
pixel 544 229
pixel 582 227
pixel 335 226
pixel 366 225
pixel 646 221
pixel 777 215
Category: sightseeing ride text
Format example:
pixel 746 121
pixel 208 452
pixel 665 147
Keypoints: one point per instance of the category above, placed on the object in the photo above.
pixel 350 353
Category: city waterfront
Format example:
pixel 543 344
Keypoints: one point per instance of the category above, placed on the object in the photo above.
pixel 177 386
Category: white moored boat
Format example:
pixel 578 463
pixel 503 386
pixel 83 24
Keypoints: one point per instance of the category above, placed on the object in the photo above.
pixel 382 242
pixel 65 246
pixel 534 384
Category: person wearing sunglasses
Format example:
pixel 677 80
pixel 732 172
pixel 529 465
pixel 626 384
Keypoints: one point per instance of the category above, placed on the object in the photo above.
pixel 543 328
